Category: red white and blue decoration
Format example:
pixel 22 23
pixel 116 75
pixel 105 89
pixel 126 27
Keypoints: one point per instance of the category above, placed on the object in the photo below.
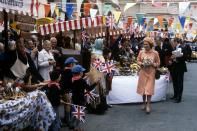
pixel 78 112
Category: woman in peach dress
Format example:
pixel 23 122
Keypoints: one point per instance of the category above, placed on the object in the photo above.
pixel 149 60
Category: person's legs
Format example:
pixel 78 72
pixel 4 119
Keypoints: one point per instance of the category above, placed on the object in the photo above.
pixel 174 82
pixel 180 78
pixel 148 108
pixel 144 102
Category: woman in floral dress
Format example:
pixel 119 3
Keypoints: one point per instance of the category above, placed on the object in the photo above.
pixel 149 60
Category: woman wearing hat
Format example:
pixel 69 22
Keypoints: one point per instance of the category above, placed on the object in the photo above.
pixel 149 60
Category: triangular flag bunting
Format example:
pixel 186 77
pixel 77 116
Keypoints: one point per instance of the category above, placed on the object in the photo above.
pixel 160 20
pixel 57 12
pixel 93 13
pixel 128 5
pixel 47 9
pixel 178 26
pixel 53 5
pixel 139 18
pixel 117 15
pixel 78 2
pixel 155 21
pixel 69 10
pixel 187 20
pixel 87 7
pixel 182 20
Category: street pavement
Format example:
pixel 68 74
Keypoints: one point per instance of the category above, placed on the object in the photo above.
pixel 165 116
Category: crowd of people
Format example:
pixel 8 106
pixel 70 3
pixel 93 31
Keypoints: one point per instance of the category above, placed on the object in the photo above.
pixel 32 63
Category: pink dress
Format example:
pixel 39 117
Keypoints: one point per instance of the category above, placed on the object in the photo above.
pixel 146 81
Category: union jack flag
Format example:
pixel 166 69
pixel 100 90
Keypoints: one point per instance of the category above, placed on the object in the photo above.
pixel 84 35
pixel 78 112
pixel 110 22
pixel 108 67
pixel 97 63
pixel 90 96
pixel 130 30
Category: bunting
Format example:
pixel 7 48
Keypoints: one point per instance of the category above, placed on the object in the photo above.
pixel 182 21
pixel 69 10
pixel 139 18
pixel 93 13
pixel 47 8
pixel 160 20
pixel 128 5
pixel 53 5
pixel 117 15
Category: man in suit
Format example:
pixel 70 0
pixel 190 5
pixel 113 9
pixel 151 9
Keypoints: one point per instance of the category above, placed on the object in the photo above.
pixel 178 68
pixel 159 48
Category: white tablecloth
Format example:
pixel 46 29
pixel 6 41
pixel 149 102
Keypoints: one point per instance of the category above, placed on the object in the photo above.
pixel 124 90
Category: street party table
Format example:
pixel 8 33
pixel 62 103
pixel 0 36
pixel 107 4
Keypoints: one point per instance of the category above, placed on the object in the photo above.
pixel 124 90
pixel 33 110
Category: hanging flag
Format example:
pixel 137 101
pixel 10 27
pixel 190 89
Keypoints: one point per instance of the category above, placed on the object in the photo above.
pixel 53 5
pixel 139 18
pixel 90 96
pixel 93 13
pixel 69 10
pixel 108 67
pixel 57 12
pixel 64 5
pixel 187 21
pixel 87 7
pixel 84 35
pixel 117 15
pixel 97 63
pixel 183 6
pixel 160 20
pixel 128 5
pixel 143 20
pixel 182 21
pixel 78 112
pixel 110 22
pixel 178 26
pixel 47 9
pixel 155 21
pixel 170 21
pixel 107 8
pixel 79 2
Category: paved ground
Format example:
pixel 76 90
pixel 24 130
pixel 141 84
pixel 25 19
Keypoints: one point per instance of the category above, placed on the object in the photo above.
pixel 165 116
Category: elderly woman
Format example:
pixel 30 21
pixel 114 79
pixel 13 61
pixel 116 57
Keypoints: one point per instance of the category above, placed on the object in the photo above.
pixel 46 60
pixel 149 60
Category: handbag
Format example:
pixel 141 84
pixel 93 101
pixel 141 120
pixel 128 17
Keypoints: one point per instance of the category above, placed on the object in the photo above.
pixel 157 74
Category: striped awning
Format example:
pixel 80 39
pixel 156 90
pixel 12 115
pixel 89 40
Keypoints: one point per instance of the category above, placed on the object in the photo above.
pixel 71 25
